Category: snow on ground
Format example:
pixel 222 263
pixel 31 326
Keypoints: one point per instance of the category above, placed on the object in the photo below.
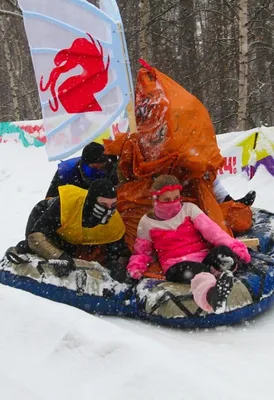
pixel 50 351
pixel 25 175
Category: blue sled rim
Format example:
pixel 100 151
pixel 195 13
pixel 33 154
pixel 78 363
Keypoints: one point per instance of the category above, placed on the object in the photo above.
pixel 127 305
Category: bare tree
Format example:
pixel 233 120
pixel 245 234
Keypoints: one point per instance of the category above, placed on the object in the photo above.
pixel 143 31
pixel 11 73
pixel 243 65
pixel 219 50
pixel 19 96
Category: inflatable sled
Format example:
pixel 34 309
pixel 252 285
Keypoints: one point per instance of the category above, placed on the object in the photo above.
pixel 263 228
pixel 91 289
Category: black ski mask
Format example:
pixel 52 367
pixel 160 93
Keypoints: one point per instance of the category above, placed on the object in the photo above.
pixel 93 212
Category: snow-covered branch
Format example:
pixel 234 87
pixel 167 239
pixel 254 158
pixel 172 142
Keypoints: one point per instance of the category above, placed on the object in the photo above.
pixel 13 13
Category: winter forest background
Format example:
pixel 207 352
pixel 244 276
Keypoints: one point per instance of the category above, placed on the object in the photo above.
pixel 222 51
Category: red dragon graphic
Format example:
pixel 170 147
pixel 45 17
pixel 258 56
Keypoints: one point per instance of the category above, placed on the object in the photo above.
pixel 76 94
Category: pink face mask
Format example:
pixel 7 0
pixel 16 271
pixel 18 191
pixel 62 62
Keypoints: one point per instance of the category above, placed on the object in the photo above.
pixel 167 210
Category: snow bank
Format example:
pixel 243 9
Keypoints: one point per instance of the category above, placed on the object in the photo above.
pixel 50 351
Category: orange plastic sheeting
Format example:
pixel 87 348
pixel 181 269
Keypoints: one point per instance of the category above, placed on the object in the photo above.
pixel 175 136
pixel 237 216
pixel 133 202
pixel 174 129
pixel 155 271
pixel 174 122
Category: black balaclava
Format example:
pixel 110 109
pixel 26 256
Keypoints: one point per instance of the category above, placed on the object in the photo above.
pixel 93 212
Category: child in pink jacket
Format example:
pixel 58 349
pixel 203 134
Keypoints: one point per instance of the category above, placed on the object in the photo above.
pixel 190 247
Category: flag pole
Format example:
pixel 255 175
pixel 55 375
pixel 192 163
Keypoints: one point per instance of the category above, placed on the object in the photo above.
pixel 130 107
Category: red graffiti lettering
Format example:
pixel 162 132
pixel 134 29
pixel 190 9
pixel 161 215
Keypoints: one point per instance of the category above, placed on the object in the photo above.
pixel 37 131
pixel 76 94
pixel 229 166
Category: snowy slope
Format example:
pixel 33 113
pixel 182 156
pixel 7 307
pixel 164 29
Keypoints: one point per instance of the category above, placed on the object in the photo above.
pixel 50 351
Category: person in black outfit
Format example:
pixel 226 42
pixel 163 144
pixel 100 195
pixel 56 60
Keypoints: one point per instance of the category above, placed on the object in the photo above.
pixel 222 194
pixel 81 171
pixel 58 227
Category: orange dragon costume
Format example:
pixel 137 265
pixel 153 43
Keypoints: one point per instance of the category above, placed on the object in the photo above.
pixel 175 136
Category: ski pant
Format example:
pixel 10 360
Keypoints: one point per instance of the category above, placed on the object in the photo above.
pixel 219 259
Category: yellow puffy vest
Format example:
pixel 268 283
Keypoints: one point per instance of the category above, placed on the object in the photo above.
pixel 72 199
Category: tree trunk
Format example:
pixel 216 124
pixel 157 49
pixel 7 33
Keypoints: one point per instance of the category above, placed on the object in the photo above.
pixel 243 65
pixel 144 22
pixel 10 72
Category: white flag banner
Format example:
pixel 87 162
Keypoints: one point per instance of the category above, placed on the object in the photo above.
pixel 111 9
pixel 80 65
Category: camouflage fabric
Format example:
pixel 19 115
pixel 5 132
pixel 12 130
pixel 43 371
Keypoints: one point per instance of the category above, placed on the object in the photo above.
pixel 174 300
pixel 157 298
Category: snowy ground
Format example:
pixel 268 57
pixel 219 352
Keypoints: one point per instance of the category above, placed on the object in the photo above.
pixel 50 351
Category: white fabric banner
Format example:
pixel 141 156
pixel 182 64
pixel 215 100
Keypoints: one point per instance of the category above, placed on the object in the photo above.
pixel 80 71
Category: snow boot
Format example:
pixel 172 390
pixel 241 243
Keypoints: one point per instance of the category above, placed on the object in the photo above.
pixel 247 200
pixel 218 294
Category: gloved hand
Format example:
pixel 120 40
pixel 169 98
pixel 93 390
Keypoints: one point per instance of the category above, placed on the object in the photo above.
pixel 103 214
pixel 117 269
pixel 119 274
pixel 123 261
pixel 64 265
pixel 241 250
pixel 138 264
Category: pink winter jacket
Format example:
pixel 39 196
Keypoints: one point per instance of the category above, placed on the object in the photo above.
pixel 185 237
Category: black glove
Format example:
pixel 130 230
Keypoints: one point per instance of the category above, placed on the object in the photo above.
pixel 64 265
pixel 117 270
pixel 119 275
pixel 103 214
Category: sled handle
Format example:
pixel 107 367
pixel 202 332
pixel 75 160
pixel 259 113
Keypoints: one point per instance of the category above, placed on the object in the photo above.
pixel 252 243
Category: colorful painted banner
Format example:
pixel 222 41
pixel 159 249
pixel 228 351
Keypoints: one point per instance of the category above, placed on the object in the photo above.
pixel 28 133
pixel 31 133
pixel 246 151
pixel 233 162
pixel 242 151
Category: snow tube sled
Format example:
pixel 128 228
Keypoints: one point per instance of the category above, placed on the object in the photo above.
pixel 263 229
pixel 91 289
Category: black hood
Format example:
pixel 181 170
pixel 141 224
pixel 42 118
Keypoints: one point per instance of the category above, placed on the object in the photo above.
pixel 93 153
